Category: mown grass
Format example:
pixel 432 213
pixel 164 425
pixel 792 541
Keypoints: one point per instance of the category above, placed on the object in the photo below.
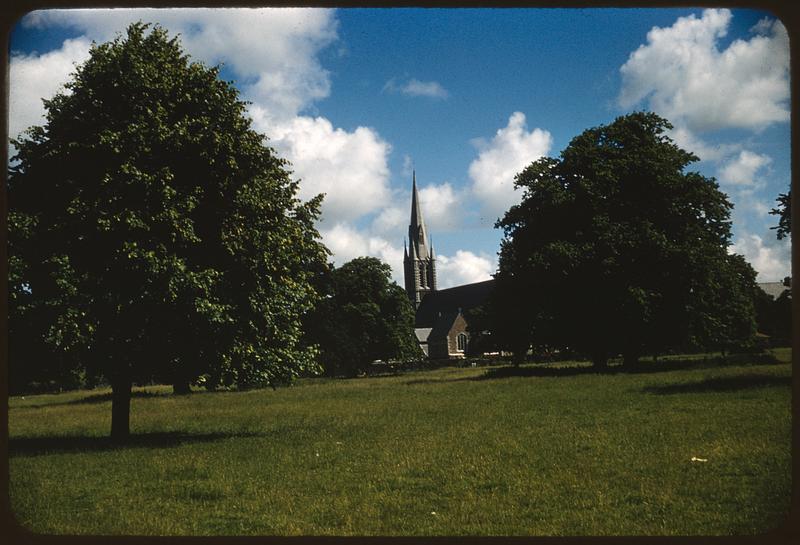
pixel 453 451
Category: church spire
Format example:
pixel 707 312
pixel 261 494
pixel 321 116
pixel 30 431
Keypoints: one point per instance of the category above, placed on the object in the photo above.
pixel 417 234
pixel 416 212
pixel 419 261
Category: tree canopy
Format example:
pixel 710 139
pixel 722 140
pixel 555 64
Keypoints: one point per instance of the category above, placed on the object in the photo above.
pixel 363 317
pixel 152 233
pixel 614 248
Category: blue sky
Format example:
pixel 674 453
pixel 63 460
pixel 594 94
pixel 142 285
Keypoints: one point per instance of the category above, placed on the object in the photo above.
pixel 356 98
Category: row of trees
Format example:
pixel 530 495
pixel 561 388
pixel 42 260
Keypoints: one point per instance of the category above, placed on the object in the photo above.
pixel 154 236
pixel 616 249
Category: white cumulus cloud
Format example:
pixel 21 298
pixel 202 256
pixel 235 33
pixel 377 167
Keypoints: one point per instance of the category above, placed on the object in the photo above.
pixel 392 220
pixel 274 50
pixel 705 151
pixel 34 77
pixel 442 209
pixel 347 243
pixel 772 263
pixel 349 167
pixel 463 268
pixel 441 206
pixel 743 170
pixel 684 76
pixel 511 149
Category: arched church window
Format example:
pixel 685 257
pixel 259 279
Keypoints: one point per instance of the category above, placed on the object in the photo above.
pixel 422 282
pixel 461 342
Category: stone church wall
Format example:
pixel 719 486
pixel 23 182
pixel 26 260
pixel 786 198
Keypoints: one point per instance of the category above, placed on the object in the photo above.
pixel 459 326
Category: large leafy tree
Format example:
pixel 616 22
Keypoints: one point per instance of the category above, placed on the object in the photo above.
pixel 364 317
pixel 152 233
pixel 615 248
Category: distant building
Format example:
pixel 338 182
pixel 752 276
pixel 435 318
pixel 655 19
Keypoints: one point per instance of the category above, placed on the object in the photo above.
pixel 440 322
pixel 776 289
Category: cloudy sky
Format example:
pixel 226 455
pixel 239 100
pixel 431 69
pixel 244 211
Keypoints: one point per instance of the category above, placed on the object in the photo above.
pixel 357 98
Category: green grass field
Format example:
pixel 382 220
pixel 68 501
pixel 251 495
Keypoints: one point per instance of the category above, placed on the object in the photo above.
pixel 548 450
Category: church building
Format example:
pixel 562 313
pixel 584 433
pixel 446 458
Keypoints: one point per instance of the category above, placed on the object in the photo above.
pixel 440 323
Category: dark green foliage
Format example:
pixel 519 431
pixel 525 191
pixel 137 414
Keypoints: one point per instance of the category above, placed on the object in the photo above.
pixel 614 249
pixel 152 234
pixel 502 322
pixel 784 213
pixel 364 317
pixel 482 338
pixel 774 316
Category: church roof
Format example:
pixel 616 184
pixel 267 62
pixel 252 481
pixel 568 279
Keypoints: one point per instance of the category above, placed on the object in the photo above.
pixel 443 303
pixel 774 289
pixel 422 333
pixel 443 325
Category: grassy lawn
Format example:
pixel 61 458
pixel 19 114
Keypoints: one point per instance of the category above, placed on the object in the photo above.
pixel 547 451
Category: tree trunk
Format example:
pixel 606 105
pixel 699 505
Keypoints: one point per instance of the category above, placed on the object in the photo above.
pixel 600 360
pixel 630 359
pixel 121 406
pixel 519 351
pixel 181 387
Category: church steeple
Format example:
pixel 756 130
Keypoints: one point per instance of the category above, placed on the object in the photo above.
pixel 419 260
pixel 417 234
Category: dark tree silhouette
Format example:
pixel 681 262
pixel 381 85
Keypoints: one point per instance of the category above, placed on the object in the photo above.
pixel 614 248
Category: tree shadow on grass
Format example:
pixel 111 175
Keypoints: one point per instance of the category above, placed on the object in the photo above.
pixel 660 366
pixel 135 394
pixel 507 372
pixel 35 446
pixel 721 384
pixel 584 368
pixel 102 398
pixel 436 380
pixel 674 364
pixel 95 398
pixel 541 371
